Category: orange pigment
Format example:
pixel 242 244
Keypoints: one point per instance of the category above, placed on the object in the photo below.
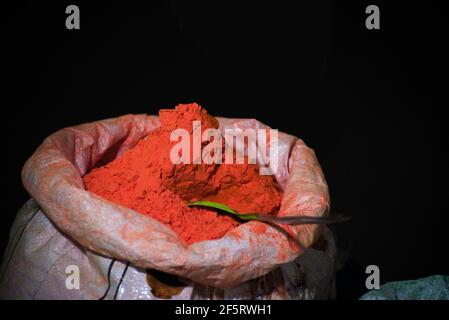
pixel 145 180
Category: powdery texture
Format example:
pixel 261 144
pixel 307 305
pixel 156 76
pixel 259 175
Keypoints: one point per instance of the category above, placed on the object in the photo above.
pixel 145 179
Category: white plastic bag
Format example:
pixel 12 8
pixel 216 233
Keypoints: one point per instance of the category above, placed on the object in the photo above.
pixel 72 227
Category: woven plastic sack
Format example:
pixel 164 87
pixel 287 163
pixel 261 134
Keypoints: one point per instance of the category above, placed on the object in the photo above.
pixel 434 287
pixel 113 246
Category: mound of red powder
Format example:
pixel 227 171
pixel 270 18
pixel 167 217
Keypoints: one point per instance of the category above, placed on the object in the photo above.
pixel 145 180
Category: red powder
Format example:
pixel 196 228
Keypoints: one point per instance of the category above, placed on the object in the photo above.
pixel 145 180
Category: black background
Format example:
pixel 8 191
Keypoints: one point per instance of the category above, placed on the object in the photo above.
pixel 370 102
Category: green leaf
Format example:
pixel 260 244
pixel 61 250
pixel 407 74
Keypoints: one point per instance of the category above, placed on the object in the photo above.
pixel 222 207
pixel 212 204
